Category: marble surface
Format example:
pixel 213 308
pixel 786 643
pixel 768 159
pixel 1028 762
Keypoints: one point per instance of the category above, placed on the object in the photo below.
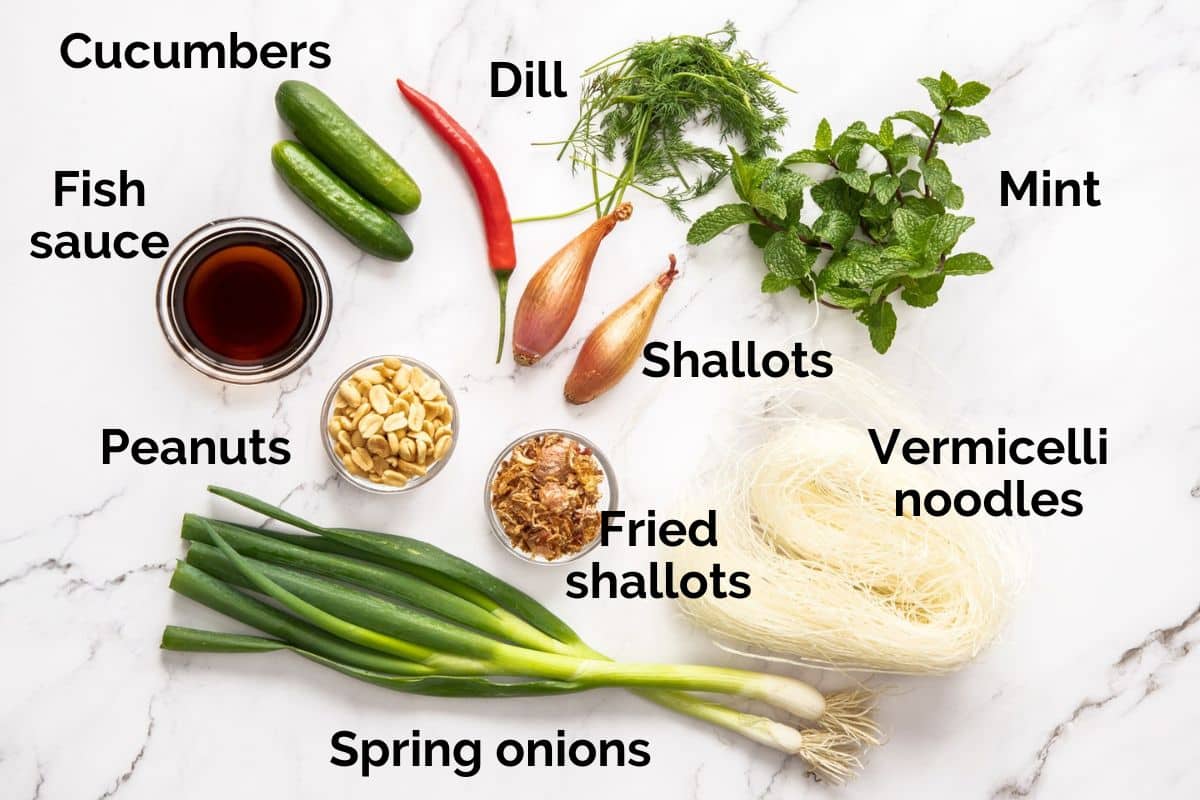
pixel 1092 692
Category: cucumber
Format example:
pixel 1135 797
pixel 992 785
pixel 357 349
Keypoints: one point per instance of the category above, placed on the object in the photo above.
pixel 333 137
pixel 345 209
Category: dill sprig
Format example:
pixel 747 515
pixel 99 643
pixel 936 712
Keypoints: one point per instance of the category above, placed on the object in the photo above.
pixel 637 104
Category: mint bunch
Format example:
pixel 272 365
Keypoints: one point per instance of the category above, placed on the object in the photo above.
pixel 884 232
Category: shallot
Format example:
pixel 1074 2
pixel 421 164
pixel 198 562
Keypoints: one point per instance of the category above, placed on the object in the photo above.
pixel 552 297
pixel 611 350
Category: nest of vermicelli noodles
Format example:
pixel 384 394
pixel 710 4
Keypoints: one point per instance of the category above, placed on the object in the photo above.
pixel 837 578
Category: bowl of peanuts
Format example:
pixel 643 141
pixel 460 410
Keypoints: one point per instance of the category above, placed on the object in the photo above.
pixel 389 424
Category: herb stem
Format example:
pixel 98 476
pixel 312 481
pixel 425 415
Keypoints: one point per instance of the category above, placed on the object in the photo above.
pixel 563 214
pixel 637 150
pixel 929 150
pixel 599 170
pixel 630 170
pixel 769 77
pixel 803 239
pixel 899 195
pixel 607 61
pixel 595 185
pixel 566 142
pixel 933 138
pixel 617 184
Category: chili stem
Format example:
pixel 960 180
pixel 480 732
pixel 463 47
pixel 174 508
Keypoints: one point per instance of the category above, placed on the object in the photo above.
pixel 502 277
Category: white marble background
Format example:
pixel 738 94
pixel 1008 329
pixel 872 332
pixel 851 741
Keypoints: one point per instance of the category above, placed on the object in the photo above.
pixel 1089 319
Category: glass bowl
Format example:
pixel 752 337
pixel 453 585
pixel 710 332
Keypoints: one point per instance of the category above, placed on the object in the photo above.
pixel 191 251
pixel 364 483
pixel 607 502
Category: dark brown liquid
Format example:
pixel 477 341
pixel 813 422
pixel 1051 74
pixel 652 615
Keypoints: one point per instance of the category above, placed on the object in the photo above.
pixel 244 302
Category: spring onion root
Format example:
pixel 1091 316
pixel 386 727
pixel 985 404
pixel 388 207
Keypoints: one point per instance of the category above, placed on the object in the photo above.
pixel 431 623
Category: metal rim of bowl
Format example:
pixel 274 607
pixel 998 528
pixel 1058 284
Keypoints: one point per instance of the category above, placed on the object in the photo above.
pixel 363 483
pixel 498 529
pixel 165 292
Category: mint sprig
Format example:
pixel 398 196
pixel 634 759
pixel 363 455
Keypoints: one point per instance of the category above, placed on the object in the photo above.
pixel 874 236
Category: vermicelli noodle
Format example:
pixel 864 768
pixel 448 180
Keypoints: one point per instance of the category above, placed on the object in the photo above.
pixel 838 579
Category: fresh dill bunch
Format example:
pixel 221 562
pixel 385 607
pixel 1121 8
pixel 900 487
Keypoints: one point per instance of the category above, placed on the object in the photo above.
pixel 637 105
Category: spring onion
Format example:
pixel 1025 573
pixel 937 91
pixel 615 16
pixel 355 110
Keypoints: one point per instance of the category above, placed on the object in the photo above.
pixel 406 633
pixel 193 640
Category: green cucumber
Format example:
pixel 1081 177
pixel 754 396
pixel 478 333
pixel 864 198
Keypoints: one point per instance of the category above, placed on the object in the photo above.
pixel 333 137
pixel 342 207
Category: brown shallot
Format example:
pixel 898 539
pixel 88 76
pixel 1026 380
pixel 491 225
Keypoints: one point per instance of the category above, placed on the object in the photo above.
pixel 552 297
pixel 611 350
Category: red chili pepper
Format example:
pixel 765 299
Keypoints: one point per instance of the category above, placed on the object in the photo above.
pixel 497 223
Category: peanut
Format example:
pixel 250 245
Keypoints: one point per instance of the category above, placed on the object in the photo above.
pixel 390 423
pixel 349 393
pixel 441 448
pixel 370 425
pixel 411 469
pixel 416 416
pixel 362 459
pixel 369 375
pixel 381 400
pixel 393 478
